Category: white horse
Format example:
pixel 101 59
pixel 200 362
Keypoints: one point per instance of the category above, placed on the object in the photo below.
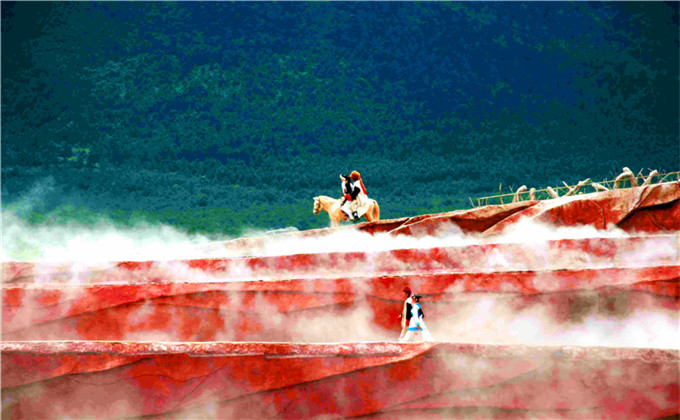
pixel 332 207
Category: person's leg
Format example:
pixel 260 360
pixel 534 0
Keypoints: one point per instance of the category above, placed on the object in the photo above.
pixel 346 208
pixel 407 337
pixel 403 332
pixel 353 207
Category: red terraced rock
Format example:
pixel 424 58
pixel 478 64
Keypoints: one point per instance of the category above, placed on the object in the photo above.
pixel 652 208
pixel 258 380
pixel 356 296
pixel 270 298
pixel 191 311
pixel 588 253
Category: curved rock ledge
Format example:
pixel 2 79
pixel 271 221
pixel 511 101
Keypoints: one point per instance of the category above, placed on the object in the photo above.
pixel 280 380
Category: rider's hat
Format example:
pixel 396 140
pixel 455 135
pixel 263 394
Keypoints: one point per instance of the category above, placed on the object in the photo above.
pixel 355 175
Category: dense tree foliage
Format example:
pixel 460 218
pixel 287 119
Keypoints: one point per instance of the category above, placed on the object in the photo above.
pixel 218 117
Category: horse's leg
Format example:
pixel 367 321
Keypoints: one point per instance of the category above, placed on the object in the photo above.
pixel 335 219
pixel 370 215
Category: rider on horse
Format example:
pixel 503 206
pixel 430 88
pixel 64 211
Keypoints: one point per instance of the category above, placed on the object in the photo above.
pixel 354 194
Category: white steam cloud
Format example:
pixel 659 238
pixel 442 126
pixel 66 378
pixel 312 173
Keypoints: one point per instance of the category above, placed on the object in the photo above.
pixel 22 241
pixel 494 321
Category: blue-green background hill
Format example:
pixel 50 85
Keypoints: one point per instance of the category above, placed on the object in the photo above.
pixel 219 117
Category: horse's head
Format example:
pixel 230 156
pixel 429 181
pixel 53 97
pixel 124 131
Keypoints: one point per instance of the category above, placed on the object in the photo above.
pixel 317 205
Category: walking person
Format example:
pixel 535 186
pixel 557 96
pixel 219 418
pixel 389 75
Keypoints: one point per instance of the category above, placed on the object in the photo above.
pixel 417 330
pixel 406 312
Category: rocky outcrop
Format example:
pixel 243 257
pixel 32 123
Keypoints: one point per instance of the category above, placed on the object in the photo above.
pixel 286 380
pixel 575 326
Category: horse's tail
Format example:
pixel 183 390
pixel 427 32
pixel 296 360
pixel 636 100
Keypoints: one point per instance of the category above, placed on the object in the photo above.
pixel 376 210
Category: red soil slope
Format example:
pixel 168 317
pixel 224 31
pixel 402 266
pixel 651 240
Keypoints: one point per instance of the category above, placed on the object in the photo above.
pixel 350 296
pixel 161 298
pixel 263 380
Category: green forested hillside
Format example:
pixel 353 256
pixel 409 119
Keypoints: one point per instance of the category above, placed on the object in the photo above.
pixel 223 117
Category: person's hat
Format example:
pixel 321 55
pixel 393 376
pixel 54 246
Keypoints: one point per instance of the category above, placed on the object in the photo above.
pixel 355 175
pixel 407 290
pixel 417 297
